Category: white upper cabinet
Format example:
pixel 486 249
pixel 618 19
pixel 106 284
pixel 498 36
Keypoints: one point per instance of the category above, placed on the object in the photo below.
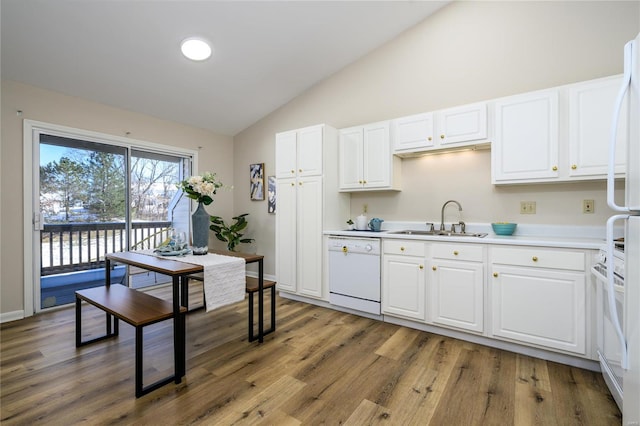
pixel 445 129
pixel 525 146
pixel 413 133
pixel 299 152
pixel 365 158
pixel 351 158
pixel 590 116
pixel 462 124
pixel 286 153
pixel 557 135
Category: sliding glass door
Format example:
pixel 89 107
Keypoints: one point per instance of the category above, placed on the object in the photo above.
pixel 95 197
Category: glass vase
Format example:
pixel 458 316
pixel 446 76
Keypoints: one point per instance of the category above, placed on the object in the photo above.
pixel 200 231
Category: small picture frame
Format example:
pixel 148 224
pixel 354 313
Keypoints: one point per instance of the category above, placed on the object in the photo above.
pixel 256 176
pixel 271 200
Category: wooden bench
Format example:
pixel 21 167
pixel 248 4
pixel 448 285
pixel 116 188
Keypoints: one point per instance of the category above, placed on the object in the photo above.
pixel 133 307
pixel 251 287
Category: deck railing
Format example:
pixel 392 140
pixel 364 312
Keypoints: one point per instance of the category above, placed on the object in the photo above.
pixel 70 247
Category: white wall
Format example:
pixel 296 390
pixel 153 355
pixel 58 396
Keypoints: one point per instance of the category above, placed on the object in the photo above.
pixel 466 52
pixel 46 106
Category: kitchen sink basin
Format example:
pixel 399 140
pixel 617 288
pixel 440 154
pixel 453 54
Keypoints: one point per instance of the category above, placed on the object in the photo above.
pixel 440 233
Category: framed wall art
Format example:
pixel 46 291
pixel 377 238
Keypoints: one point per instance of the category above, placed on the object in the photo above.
pixel 256 176
pixel 271 200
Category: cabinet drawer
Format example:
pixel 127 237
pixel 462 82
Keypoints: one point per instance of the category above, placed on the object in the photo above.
pixel 538 257
pixel 469 252
pixel 409 248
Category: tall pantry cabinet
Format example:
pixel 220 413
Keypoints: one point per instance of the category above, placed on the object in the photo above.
pixel 307 202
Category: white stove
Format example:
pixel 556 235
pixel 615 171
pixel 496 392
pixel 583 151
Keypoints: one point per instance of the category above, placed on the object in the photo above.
pixel 618 261
pixel 608 319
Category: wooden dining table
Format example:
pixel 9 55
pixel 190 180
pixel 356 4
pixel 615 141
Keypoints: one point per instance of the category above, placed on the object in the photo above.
pixel 179 271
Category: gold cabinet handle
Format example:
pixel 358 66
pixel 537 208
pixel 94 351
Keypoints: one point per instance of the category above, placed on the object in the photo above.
pixel 573 167
pixel 293 184
pixel 300 170
pixel 429 138
pixel 555 168
pixel 434 268
pixel 534 258
pixel 421 266
pixel 360 182
pixel 344 249
pixel 300 183
pixel 401 248
pixel 495 275
pixel 364 181
pixel 441 136
pixel 293 171
pixel 455 253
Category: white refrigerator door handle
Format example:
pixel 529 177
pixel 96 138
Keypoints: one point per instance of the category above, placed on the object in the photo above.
pixel 613 310
pixel 624 88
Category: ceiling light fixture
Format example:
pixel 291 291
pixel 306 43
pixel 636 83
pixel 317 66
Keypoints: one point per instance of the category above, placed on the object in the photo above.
pixel 195 49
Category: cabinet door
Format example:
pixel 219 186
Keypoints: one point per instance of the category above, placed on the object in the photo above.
pixel 590 117
pixel 462 124
pixel 286 154
pixel 310 151
pixel 526 139
pixel 413 133
pixel 309 238
pixel 403 287
pixel 539 306
pixel 350 158
pixel 377 155
pixel 457 294
pixel 286 249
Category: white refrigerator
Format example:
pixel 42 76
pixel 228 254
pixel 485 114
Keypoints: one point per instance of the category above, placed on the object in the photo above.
pixel 628 213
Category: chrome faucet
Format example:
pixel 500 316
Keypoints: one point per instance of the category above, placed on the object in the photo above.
pixel 442 213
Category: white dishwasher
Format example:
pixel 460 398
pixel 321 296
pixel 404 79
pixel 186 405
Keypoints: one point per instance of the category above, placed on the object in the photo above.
pixel 354 273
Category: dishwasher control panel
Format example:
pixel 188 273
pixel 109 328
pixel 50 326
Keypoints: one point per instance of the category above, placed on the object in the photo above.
pixel 355 245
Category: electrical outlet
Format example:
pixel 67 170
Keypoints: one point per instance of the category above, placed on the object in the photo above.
pixel 527 207
pixel 588 206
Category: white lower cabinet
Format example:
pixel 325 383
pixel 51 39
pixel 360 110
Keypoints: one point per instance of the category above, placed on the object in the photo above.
pixel 456 286
pixel 403 282
pixel 538 297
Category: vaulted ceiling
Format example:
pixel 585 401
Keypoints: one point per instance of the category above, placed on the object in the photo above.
pixel 127 53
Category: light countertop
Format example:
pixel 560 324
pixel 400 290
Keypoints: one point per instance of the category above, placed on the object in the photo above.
pixel 576 237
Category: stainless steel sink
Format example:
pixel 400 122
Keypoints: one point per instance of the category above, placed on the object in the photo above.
pixel 440 233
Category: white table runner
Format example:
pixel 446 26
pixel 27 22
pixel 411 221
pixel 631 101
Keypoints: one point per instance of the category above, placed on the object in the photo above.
pixel 224 277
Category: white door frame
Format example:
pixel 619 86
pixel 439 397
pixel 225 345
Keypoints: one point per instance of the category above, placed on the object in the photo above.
pixel 31 175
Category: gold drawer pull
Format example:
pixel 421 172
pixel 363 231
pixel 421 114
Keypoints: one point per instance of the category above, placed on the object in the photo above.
pixel 293 184
pixel 429 138
pixel 555 168
pixel 293 171
pixel 495 275
pixel 300 170
pixel 455 253
pixel 421 267
pixel 534 258
pixel 573 167
pixel 441 136
pixel 344 249
pixel 434 268
pixel 401 248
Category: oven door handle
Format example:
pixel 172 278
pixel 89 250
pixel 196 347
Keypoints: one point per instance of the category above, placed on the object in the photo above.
pixel 611 293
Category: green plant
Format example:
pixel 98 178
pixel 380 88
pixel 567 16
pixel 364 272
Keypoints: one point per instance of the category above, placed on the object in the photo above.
pixel 230 234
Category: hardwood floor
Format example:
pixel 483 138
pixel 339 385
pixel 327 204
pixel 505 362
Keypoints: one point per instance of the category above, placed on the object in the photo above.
pixel 319 367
